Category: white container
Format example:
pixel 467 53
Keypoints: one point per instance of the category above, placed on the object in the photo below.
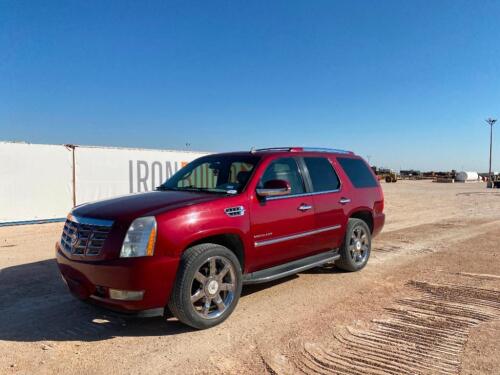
pixel 467 177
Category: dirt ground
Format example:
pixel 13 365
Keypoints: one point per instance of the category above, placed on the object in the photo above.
pixel 427 303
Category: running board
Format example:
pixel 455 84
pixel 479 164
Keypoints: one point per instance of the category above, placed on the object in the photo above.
pixel 287 269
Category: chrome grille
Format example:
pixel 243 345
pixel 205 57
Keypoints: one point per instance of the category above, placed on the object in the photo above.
pixel 84 236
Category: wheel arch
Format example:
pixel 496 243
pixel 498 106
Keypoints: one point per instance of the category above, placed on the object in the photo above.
pixel 232 241
pixel 364 214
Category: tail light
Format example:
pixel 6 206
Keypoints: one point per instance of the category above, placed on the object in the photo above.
pixel 378 207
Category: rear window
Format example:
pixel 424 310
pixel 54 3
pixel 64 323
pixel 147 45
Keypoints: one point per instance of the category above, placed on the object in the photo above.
pixel 323 177
pixel 358 172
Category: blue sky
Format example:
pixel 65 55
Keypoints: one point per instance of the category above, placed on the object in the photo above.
pixel 408 83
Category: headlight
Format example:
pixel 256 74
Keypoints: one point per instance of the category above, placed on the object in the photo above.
pixel 140 238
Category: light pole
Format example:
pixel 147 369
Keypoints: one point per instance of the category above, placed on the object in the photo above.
pixel 490 121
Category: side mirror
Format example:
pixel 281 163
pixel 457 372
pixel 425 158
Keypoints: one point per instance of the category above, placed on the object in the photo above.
pixel 274 188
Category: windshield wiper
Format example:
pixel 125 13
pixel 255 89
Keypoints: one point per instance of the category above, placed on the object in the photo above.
pixel 201 189
pixel 193 189
pixel 165 188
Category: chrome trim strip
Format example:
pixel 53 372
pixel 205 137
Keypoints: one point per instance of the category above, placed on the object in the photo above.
pixel 295 236
pixel 302 195
pixel 90 221
pixel 273 192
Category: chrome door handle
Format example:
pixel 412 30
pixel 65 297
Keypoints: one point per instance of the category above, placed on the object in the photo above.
pixel 305 207
pixel 345 200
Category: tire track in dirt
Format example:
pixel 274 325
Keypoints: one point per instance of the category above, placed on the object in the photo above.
pixel 425 238
pixel 421 335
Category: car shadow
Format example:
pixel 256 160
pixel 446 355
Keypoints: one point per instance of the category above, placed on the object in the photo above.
pixel 254 288
pixel 329 268
pixel 35 305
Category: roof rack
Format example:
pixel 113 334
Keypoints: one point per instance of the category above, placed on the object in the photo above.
pixel 303 149
pixel 325 149
pixel 288 149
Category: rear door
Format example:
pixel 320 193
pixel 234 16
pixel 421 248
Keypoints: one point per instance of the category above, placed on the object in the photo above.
pixel 326 187
pixel 283 226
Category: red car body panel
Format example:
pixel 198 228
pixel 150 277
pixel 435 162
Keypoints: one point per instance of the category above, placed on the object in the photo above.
pixel 184 218
pixel 280 218
pixel 154 275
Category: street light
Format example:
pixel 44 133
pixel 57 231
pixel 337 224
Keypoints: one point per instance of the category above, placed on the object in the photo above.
pixel 490 121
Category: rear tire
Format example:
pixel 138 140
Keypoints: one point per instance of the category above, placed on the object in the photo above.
pixel 356 249
pixel 207 287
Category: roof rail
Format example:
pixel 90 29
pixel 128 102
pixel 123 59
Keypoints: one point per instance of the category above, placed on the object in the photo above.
pixel 305 149
pixel 288 149
pixel 324 149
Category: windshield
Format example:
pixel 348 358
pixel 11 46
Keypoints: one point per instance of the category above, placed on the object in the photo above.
pixel 227 174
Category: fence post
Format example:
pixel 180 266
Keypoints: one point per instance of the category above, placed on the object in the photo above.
pixel 73 168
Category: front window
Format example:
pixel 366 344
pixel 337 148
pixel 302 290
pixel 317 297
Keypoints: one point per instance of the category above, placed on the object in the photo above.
pixel 227 174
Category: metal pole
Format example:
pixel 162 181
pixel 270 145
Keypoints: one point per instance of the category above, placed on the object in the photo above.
pixel 490 121
pixel 491 150
pixel 72 148
pixel 74 177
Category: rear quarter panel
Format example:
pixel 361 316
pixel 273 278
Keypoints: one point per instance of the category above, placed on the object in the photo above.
pixel 362 199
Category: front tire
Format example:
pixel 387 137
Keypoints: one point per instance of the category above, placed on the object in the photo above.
pixel 356 249
pixel 208 286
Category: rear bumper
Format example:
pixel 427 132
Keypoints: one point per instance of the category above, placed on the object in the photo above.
pixel 378 224
pixel 91 281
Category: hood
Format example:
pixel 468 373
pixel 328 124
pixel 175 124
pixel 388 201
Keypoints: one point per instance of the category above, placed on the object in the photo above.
pixel 131 206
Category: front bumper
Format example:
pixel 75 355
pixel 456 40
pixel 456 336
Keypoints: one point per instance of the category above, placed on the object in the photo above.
pixel 92 280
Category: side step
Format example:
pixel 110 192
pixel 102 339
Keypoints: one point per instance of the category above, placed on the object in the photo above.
pixel 287 269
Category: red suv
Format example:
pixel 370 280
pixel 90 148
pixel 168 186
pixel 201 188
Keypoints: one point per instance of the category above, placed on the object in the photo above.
pixel 222 221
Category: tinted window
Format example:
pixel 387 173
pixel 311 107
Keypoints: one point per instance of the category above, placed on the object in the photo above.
pixel 239 172
pixel 358 172
pixel 201 176
pixel 323 177
pixel 214 174
pixel 284 169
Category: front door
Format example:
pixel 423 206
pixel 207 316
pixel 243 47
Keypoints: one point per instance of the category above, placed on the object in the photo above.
pixel 282 227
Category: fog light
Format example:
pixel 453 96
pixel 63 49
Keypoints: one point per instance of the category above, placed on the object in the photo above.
pixel 126 295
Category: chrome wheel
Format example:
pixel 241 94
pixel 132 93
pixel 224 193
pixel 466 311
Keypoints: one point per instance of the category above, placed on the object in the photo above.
pixel 213 287
pixel 359 245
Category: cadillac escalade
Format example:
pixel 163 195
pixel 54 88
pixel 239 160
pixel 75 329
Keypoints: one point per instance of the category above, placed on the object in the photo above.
pixel 219 223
